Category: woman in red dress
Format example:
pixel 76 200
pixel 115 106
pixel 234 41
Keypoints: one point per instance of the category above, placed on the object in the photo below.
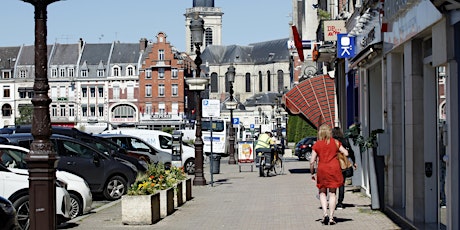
pixel 329 174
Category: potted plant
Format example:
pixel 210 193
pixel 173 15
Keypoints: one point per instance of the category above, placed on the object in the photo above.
pixel 151 196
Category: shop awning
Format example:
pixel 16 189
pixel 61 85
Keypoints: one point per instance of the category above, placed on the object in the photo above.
pixel 314 99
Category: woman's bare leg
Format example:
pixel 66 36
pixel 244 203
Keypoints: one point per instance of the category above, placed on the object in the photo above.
pixel 332 200
pixel 323 200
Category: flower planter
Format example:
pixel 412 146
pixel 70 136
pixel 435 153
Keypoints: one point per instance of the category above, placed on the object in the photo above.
pixel 140 209
pixel 178 194
pixel 166 202
pixel 188 189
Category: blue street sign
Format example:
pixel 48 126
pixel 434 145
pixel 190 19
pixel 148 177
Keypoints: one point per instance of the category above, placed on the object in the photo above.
pixel 236 121
pixel 251 126
pixel 345 46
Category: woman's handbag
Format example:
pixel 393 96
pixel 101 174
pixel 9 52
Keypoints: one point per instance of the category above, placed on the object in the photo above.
pixel 345 164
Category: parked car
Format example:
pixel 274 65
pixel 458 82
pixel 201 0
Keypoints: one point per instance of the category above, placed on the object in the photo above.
pixel 138 146
pixel 13 157
pixel 303 148
pixel 102 172
pixel 102 144
pixel 161 141
pixel 8 215
pixel 15 187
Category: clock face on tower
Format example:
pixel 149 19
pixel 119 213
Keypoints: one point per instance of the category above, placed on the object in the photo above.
pixel 203 3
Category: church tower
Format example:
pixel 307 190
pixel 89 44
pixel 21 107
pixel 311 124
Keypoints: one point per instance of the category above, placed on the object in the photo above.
pixel 212 17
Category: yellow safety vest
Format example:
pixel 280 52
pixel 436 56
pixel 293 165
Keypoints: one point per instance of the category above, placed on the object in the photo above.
pixel 263 141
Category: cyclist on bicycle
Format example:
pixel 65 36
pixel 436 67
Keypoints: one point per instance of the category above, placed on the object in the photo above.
pixel 264 144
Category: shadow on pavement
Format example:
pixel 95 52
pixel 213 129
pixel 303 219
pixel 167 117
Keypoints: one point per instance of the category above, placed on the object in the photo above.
pixel 297 171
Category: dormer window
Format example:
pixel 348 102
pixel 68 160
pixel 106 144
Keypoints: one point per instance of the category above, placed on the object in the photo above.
pixel 53 72
pixel 62 72
pixel 116 71
pixel 84 73
pixel 161 55
pixel 100 72
pixel 130 71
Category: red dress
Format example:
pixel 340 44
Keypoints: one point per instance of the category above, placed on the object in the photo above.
pixel 329 173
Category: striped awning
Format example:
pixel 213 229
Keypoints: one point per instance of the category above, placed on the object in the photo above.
pixel 314 99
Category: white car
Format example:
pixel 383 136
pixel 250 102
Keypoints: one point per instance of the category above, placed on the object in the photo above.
pixel 161 141
pixel 81 199
pixel 15 187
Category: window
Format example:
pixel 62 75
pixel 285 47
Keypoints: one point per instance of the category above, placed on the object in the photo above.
pixel 161 73
pixel 6 91
pixel 6 110
pixel 92 110
pixel 116 92
pixel 84 73
pixel 84 92
pixel 92 91
pixel 53 72
pixel 148 74
pixel 70 72
pixel 62 72
pixel 22 73
pixel 100 72
pixel 6 74
pixel 130 71
pixel 175 90
pixel 148 108
pixel 72 110
pixel 116 71
pixel 123 111
pixel 100 110
pixel 174 73
pixel 260 82
pixel 130 91
pixel 54 110
pixel 62 91
pixel 100 92
pixel 148 90
pixel 161 54
pixel 280 81
pixel 161 108
pixel 214 83
pixel 161 90
pixel 208 36
pixel 54 93
pixel 248 82
pixel 70 148
pixel 269 81
pixel 62 110
pixel 84 110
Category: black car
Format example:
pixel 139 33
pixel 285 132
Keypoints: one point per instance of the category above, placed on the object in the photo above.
pixel 102 172
pixel 102 144
pixel 8 215
pixel 303 148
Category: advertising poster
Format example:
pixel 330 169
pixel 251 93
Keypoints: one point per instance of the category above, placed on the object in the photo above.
pixel 245 152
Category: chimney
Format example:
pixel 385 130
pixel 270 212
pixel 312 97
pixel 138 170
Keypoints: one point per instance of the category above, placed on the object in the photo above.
pixel 80 45
pixel 143 44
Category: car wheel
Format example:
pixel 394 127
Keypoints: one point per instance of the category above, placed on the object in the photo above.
pixel 76 206
pixel 115 187
pixel 22 209
pixel 189 166
pixel 308 155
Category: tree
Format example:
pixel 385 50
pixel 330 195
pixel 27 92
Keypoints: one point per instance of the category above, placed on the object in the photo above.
pixel 25 115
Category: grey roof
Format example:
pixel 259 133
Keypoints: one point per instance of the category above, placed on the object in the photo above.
pixel 262 52
pixel 65 54
pixel 93 54
pixel 261 99
pixel 8 56
pixel 27 55
pixel 125 53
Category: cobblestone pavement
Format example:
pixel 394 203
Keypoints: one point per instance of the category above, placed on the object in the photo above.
pixel 243 200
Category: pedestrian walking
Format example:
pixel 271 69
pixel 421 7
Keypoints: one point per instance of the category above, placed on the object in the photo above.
pixel 328 174
pixel 338 135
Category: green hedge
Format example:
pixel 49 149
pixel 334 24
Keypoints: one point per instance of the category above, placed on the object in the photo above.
pixel 298 128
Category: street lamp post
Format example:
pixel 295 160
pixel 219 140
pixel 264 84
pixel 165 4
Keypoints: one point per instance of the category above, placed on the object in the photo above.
pixel 278 117
pixel 198 84
pixel 42 159
pixel 231 105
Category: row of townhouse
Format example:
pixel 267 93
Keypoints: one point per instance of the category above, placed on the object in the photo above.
pixel 97 86
pixel 94 85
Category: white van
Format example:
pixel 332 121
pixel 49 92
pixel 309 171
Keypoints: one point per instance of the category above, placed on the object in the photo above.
pixel 161 141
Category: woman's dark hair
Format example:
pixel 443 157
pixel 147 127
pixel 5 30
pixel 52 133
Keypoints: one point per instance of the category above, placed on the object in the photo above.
pixel 337 132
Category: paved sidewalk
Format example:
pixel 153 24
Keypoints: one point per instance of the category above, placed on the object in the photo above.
pixel 243 200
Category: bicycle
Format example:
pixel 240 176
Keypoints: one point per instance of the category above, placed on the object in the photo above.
pixel 270 160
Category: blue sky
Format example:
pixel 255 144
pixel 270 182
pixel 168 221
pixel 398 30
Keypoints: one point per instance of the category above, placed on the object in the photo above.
pixel 244 21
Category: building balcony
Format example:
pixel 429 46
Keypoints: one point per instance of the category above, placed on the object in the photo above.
pixel 160 63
